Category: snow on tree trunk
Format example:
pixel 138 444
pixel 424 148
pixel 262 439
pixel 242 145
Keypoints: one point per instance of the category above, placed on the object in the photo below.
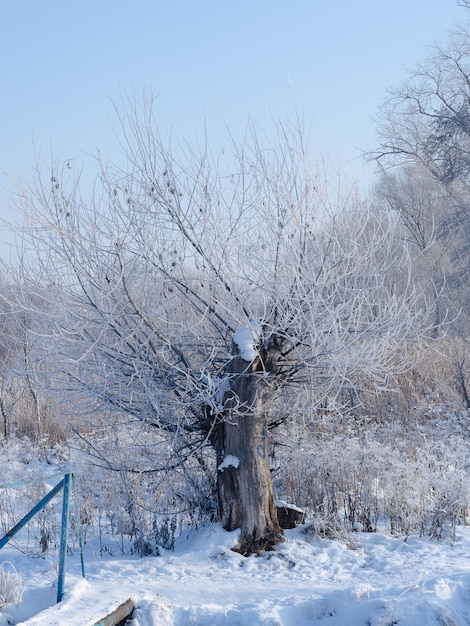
pixel 246 497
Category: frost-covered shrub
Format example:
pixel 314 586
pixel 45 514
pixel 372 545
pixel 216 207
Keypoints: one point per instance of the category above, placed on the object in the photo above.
pixel 410 477
pixel 129 504
pixel 348 474
pixel 11 584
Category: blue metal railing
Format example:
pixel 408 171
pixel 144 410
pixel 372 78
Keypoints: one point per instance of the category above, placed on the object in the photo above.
pixel 64 484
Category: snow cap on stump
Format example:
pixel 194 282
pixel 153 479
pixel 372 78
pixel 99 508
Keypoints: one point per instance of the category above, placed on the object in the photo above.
pixel 247 339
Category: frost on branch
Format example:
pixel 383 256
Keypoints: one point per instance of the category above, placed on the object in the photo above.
pixel 213 391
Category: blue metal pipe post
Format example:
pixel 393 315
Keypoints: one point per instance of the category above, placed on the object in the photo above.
pixel 64 535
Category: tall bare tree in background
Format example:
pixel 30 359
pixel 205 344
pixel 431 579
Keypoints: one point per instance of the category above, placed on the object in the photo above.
pixel 25 405
pixel 425 125
pixel 211 297
pixel 426 119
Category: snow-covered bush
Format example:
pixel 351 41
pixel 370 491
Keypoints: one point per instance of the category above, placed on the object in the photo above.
pixel 11 584
pixel 408 477
pixel 349 474
pixel 119 510
pixel 126 502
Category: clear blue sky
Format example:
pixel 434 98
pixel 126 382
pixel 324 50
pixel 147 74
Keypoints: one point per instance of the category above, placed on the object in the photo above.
pixel 63 63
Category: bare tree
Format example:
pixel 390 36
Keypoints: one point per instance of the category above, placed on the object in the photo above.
pixel 426 119
pixel 420 202
pixel 23 401
pixel 426 122
pixel 435 224
pixel 212 297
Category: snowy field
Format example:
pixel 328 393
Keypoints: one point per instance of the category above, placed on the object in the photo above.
pixel 374 580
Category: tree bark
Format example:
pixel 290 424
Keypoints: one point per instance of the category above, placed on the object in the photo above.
pixel 245 491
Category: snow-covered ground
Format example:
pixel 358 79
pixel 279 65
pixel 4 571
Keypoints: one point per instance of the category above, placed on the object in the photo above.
pixel 375 579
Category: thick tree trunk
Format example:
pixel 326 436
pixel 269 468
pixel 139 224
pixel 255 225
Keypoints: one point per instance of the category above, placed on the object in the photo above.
pixel 246 498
